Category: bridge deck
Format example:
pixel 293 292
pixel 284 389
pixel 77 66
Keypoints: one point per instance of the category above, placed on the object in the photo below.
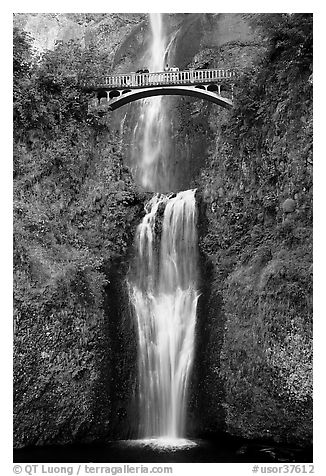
pixel 164 78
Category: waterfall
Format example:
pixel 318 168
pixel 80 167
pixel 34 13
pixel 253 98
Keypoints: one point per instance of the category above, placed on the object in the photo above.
pixel 150 133
pixel 162 283
pixel 164 296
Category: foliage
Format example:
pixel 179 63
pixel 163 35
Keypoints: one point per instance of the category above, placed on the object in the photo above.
pixel 75 210
pixel 262 255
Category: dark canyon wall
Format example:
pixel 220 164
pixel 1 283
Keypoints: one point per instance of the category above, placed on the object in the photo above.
pixel 77 208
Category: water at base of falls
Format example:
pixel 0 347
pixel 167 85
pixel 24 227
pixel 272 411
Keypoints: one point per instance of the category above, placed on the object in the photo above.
pixel 164 296
pixel 162 444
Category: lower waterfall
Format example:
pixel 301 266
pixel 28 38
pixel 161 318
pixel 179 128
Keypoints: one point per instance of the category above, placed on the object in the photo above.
pixel 164 296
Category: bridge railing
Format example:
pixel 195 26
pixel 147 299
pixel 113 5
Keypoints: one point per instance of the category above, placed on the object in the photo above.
pixel 193 76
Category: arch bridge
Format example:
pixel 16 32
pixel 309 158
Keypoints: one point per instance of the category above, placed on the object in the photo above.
pixel 214 85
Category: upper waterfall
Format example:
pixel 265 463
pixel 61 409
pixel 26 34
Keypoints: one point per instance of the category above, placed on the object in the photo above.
pixel 150 137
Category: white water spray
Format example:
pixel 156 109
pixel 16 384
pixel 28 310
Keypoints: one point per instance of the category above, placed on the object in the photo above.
pixel 165 298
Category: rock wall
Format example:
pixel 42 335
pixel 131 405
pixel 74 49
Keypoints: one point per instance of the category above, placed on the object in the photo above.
pixel 256 185
pixel 106 30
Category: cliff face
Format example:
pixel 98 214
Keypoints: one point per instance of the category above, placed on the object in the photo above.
pixel 74 344
pixel 76 209
pixel 47 28
pixel 252 373
pixel 257 240
pixel 106 30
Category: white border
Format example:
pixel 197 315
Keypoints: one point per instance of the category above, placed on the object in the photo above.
pixel 319 210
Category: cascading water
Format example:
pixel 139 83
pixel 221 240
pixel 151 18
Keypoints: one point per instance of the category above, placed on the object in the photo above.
pixel 164 296
pixel 150 132
pixel 163 284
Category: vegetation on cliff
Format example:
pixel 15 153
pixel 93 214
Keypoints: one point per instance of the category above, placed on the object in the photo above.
pixel 75 209
pixel 258 191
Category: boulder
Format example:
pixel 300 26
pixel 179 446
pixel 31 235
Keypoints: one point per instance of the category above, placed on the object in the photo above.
pixel 289 205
